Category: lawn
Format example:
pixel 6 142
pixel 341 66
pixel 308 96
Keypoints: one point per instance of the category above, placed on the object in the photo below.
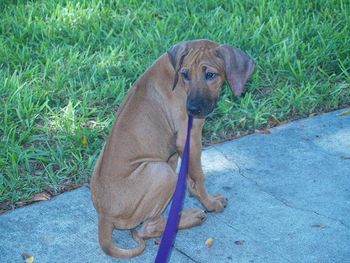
pixel 65 66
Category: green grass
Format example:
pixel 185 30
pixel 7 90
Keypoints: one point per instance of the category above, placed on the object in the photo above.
pixel 65 65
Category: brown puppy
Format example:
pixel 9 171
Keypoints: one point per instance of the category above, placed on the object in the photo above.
pixel 134 176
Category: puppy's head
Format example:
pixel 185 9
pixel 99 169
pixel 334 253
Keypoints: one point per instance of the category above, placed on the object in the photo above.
pixel 201 66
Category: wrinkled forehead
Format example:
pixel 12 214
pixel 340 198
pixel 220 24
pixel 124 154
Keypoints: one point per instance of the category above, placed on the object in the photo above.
pixel 202 56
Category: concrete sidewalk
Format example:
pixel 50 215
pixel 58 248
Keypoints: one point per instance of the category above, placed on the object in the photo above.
pixel 289 201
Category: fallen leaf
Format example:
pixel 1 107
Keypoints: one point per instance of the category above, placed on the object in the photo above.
pixel 243 119
pixel 68 187
pixel 209 242
pixel 28 258
pixel 273 122
pixel 319 226
pixel 42 196
pixel 347 112
pixel 84 141
pixel 262 131
pixel 50 190
pixel 239 242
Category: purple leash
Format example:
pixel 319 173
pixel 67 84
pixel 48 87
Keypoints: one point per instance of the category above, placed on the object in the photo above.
pixel 170 230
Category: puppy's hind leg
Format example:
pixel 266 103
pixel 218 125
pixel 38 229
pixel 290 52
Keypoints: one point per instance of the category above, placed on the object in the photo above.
pixel 161 182
pixel 154 227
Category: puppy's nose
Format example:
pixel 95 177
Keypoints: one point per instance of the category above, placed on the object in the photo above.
pixel 193 108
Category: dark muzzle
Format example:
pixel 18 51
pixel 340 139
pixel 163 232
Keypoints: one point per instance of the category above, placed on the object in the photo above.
pixel 199 107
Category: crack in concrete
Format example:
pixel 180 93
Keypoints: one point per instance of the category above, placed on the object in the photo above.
pixel 186 255
pixel 249 236
pixel 241 173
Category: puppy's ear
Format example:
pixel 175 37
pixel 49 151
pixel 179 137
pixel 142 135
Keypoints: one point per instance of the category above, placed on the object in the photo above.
pixel 176 56
pixel 238 67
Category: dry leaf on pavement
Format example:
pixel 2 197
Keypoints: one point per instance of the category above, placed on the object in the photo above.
pixel 239 242
pixel 28 258
pixel 209 242
pixel 347 112
pixel 319 226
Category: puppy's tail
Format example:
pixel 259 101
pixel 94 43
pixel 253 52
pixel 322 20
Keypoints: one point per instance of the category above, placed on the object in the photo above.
pixel 105 229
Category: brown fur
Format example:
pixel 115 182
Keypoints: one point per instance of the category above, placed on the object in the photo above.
pixel 134 176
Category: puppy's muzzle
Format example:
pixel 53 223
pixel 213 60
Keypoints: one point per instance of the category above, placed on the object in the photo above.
pixel 199 107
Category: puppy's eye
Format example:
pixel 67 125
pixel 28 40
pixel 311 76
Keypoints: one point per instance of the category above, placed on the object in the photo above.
pixel 210 75
pixel 185 74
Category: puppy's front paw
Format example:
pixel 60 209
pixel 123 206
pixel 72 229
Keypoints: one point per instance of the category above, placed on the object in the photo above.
pixel 216 203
